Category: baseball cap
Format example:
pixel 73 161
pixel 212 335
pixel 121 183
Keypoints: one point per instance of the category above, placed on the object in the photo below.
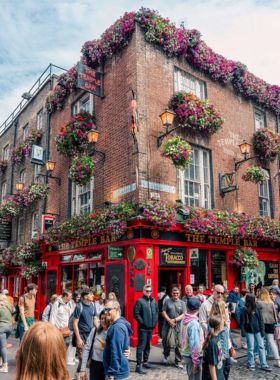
pixel 5 291
pixel 194 303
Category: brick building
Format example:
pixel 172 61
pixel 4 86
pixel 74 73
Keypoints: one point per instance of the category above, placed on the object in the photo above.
pixel 139 173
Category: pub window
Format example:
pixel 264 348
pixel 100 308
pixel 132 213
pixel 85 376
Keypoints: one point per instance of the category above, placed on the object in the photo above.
pixel 259 119
pixel 219 268
pixel 3 284
pixel 86 102
pixel 23 176
pixel 15 291
pixel 264 200
pixel 6 152
pixel 20 231
pixel 80 275
pixel 82 199
pixel 25 130
pixel 194 182
pixel 200 272
pixel 67 277
pixel 184 81
pixel 35 222
pixel 37 171
pixel 3 191
pixel 40 119
pixel 96 276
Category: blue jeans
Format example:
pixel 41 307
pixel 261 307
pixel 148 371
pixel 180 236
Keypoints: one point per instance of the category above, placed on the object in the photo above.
pixel 4 335
pixel 21 331
pixel 254 340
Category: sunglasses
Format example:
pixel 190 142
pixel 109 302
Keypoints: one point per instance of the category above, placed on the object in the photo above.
pixel 148 291
pixel 222 293
pixel 108 309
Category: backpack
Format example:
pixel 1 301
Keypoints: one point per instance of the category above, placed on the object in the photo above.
pixel 160 303
pixel 71 319
pixel 49 314
pixel 16 313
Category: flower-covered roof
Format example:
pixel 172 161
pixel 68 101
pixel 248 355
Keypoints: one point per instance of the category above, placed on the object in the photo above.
pixel 176 42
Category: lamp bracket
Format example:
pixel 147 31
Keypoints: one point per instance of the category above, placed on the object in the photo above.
pixel 239 163
pixel 161 137
pixel 57 179
pixel 101 154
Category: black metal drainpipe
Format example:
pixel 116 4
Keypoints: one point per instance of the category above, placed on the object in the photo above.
pixel 47 150
pixel 13 166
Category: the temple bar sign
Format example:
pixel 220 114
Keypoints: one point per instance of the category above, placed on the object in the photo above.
pixel 90 80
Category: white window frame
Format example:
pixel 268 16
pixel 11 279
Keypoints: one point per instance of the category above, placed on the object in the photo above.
pixel 23 176
pixel 85 102
pixel 35 222
pixel 184 81
pixel 40 119
pixel 37 171
pixel 3 191
pixel 259 117
pixel 6 152
pixel 20 231
pixel 25 130
pixel 197 179
pixel 77 194
pixel 264 199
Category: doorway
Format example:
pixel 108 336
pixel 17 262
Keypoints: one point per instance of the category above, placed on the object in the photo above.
pixel 170 278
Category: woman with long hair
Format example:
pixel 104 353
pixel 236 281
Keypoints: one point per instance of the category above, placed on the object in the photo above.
pixel 270 319
pixel 99 305
pixel 95 347
pixel 252 326
pixel 212 347
pixel 42 354
pixel 6 327
pixel 219 309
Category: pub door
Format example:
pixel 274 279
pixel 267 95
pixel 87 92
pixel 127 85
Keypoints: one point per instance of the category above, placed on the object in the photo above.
pixel 170 278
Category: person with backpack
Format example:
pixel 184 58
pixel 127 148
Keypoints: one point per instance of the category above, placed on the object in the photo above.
pixel 26 309
pixel 45 316
pixel 162 297
pixel 60 314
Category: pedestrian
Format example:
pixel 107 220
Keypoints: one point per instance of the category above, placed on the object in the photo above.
pixel 219 309
pixel 146 314
pixel 48 309
pixel 252 288
pixel 6 292
pixel 173 312
pixel 76 298
pixel 95 346
pixel 230 310
pixel 234 296
pixel 200 292
pixel 212 347
pixel 189 294
pixel 252 326
pixel 238 309
pixel 99 305
pixel 275 286
pixel 192 340
pixel 71 351
pixel 112 296
pixel 42 354
pixel 117 341
pixel 60 314
pixel 273 297
pixel 26 305
pixel 6 327
pixel 218 294
pixel 270 320
pixel 83 318
pixel 162 297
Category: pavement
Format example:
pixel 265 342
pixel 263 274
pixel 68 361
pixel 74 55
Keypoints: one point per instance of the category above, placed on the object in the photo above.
pixel 239 371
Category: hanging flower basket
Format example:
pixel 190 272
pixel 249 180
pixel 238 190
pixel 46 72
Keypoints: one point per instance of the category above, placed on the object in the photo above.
pixel 82 169
pixel 266 144
pixel 24 149
pixel 179 151
pixel 28 251
pixel 72 138
pixel 159 212
pixel 246 257
pixel 3 166
pixel 196 114
pixel 255 174
pixel 8 254
pixel 16 154
pixel 32 268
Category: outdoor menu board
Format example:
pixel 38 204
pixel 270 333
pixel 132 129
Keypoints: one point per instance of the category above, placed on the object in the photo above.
pixel 5 229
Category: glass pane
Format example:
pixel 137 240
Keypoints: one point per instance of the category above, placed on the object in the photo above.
pixel 191 189
pixel 66 277
pixel 80 275
pixel 65 258
pixel 196 156
pixel 96 276
pixel 187 202
pixel 186 188
pixel 265 190
pixel 191 172
pixel 94 255
pixel 196 173
pixel 187 173
pixel 79 256
pixel 200 272
pixel 219 268
pixel 196 202
pixel 196 190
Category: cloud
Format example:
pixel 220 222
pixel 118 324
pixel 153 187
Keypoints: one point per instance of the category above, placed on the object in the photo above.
pixel 36 33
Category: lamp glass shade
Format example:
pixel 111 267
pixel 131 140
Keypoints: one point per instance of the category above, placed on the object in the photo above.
pixel 50 165
pixel 92 136
pixel 19 185
pixel 167 117
pixel 245 147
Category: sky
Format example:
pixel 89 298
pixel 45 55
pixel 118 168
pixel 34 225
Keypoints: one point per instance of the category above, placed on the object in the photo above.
pixel 35 33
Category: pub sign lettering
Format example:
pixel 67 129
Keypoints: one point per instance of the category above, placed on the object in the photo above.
pixel 172 256
pixel 90 80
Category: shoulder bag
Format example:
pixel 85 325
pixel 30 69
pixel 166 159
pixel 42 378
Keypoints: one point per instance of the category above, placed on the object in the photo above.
pixel 65 331
pixel 91 349
pixel 276 327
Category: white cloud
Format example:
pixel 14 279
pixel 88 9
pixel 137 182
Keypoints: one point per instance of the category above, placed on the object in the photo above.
pixel 36 33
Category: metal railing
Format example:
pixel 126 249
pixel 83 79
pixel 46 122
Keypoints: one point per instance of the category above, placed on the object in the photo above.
pixel 34 89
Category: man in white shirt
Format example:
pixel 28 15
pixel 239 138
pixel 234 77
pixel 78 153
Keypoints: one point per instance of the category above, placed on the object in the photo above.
pixel 61 311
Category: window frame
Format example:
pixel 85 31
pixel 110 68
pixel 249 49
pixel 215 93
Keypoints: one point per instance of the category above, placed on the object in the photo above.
pixel 37 172
pixel 177 82
pixel 269 196
pixel 259 111
pixel 20 231
pixel 77 105
pixel 6 152
pixel 34 227
pixel 25 130
pixel 22 176
pixel 4 185
pixel 76 198
pixel 40 119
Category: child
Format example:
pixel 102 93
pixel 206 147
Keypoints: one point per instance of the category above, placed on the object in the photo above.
pixel 192 340
pixel 213 362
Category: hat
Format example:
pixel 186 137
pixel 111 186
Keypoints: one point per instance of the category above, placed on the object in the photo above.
pixel 5 291
pixel 163 288
pixel 193 303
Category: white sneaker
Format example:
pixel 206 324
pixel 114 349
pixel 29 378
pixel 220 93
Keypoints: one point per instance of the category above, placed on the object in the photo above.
pixel 71 363
pixel 4 370
pixel 232 360
pixel 164 361
pixel 244 347
pixel 77 360
pixel 179 365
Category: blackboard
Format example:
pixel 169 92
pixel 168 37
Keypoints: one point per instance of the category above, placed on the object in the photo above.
pixel 217 258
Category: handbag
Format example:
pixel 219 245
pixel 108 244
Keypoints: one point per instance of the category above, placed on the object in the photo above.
pixel 65 331
pixel 91 349
pixel 232 352
pixel 171 338
pixel 276 327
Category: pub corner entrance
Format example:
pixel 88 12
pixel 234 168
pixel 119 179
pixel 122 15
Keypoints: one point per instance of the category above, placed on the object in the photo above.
pixel 171 278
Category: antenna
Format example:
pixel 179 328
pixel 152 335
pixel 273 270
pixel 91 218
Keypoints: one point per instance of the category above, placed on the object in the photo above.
pixel 182 23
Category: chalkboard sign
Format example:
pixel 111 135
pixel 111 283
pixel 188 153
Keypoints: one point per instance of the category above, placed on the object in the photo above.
pixel 5 229
pixel 218 264
pixel 172 256
pixel 272 272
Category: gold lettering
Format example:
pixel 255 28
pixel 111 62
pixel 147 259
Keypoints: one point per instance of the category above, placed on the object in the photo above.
pixel 237 241
pixel 102 239
pixel 107 239
pixel 195 238
pixel 113 238
pixel 255 243
pixel 216 240
pixel 245 242
pixel 222 240
pixel 211 239
pixel 202 239
pixel 94 241
pixel 188 236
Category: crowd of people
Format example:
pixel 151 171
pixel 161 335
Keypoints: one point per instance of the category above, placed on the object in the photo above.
pixel 74 329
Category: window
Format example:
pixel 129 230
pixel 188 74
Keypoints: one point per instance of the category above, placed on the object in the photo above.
pixel 81 199
pixel 40 118
pixel 6 152
pixel 25 131
pixel 23 176
pixel 194 182
pixel 184 81
pixel 35 222
pixel 219 268
pixel 200 272
pixel 37 171
pixel 15 290
pixel 80 275
pixel 86 103
pixel 3 191
pixel 20 231
pixel 96 276
pixel 264 199
pixel 259 119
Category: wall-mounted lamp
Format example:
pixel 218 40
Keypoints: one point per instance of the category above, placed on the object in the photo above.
pixel 245 150
pixel 19 186
pixel 167 118
pixel 92 136
pixel 50 165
